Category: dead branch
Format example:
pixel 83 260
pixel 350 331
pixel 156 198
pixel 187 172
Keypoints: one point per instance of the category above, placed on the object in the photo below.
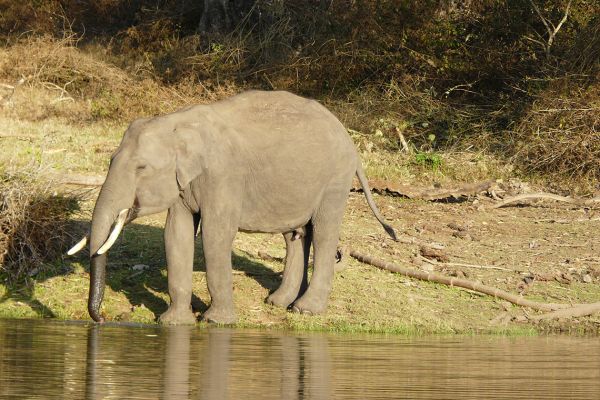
pixel 581 310
pixel 554 310
pixel 80 180
pixel 550 196
pixel 566 221
pixel 462 283
pixel 428 193
pixel 463 265
pixel 263 255
pixel 550 28
pixel 405 147
pixel 17 136
pixel 7 91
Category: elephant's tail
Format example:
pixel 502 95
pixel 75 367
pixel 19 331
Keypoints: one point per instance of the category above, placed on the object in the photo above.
pixel 360 174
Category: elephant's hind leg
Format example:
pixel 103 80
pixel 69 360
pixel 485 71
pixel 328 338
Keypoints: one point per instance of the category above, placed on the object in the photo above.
pixel 326 228
pixel 295 278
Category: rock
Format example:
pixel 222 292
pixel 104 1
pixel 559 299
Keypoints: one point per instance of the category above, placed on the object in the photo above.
pixel 564 278
pixel 461 235
pixel 456 227
pixel 431 253
pixel 140 267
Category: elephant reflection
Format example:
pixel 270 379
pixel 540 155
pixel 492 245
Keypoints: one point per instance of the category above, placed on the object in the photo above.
pixel 177 372
pixel 213 365
pixel 306 368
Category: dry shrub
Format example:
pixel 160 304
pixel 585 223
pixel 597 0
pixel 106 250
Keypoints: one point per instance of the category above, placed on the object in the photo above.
pixel 560 135
pixel 63 80
pixel 59 64
pixel 33 223
pixel 381 112
pixel 59 78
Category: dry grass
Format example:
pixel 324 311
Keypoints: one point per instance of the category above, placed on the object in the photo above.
pixel 560 136
pixel 61 79
pixel 33 223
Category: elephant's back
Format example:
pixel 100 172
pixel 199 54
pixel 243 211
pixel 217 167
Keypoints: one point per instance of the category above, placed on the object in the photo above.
pixel 282 118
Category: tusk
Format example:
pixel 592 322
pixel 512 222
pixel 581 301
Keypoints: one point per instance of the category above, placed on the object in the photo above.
pixel 112 238
pixel 80 245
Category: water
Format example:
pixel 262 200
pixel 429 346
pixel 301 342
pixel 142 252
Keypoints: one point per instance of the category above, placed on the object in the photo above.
pixel 43 360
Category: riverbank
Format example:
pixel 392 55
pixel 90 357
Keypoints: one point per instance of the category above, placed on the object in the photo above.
pixel 545 251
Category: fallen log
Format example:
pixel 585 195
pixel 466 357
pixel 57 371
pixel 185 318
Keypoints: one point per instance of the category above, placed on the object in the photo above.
pixel 548 196
pixel 458 282
pixel 553 310
pixel 581 310
pixel 425 193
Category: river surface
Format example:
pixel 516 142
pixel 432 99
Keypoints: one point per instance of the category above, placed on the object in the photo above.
pixel 49 359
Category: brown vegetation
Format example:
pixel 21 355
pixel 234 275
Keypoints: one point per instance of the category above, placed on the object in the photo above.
pixel 560 134
pixel 484 75
pixel 33 223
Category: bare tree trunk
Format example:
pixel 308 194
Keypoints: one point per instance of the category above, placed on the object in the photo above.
pixel 216 16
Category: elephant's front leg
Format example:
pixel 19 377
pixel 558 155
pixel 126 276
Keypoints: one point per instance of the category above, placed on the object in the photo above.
pixel 179 248
pixel 217 241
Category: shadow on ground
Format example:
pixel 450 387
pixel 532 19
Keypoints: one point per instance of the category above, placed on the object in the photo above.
pixel 138 245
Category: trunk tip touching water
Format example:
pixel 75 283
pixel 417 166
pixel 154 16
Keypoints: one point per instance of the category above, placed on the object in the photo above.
pixel 97 283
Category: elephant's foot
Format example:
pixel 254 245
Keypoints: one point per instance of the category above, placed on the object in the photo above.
pixel 178 316
pixel 281 298
pixel 219 316
pixel 309 306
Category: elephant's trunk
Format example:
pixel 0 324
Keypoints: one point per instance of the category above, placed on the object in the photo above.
pixel 115 196
pixel 97 283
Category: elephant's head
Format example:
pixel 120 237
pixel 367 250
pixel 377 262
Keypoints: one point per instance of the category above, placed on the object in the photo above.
pixel 156 159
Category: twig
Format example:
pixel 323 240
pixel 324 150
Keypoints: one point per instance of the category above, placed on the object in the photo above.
pixel 474 266
pixel 28 138
pixel 80 180
pixel 572 245
pixel 405 147
pixel 12 88
pixel 528 196
pixel 566 221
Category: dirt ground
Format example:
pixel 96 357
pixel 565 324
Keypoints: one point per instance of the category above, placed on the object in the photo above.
pixel 545 251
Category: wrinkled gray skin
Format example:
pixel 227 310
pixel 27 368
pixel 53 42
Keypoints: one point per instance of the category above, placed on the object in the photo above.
pixel 256 162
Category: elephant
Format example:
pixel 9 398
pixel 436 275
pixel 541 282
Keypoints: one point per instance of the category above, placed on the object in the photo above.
pixel 260 161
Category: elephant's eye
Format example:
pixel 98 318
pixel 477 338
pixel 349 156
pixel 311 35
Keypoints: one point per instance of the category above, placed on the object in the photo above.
pixel 141 168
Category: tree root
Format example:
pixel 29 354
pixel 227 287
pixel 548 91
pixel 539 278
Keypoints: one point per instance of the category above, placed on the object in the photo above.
pixel 553 310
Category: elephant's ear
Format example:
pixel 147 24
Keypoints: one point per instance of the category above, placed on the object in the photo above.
pixel 189 154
